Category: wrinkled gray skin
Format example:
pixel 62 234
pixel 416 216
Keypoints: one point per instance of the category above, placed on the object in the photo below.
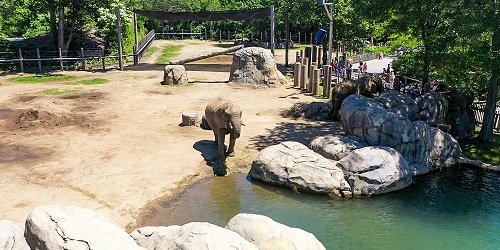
pixel 224 117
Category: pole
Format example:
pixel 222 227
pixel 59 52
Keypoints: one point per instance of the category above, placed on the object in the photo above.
pixel 330 38
pixel 136 47
pixel 120 49
pixel 287 31
pixel 272 29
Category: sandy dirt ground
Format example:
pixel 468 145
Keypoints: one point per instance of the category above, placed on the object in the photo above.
pixel 116 148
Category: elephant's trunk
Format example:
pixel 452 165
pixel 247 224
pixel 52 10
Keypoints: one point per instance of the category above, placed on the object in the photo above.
pixel 236 125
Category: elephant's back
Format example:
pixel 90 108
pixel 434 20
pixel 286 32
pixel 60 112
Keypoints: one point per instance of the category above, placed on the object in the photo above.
pixel 214 105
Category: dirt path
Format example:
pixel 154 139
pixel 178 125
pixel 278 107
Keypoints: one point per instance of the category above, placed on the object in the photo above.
pixel 117 147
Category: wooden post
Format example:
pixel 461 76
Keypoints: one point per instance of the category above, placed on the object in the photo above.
pixel 60 60
pixel 103 59
pixel 120 48
pixel 228 35
pixel 299 37
pixel 83 58
pixel 21 62
pixel 39 61
pixel 272 30
pixel 311 38
pixel 314 53
pixel 327 80
pixel 296 74
pixel 316 79
pixel 320 55
pixel 312 67
pixel 136 45
pixel 304 72
pixel 287 30
pixel 297 56
pixel 220 35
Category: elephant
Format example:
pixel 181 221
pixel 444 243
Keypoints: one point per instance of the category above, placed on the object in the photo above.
pixel 224 117
pixel 366 85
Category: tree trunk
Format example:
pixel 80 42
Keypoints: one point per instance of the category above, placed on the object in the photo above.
pixel 60 31
pixel 486 133
pixel 52 19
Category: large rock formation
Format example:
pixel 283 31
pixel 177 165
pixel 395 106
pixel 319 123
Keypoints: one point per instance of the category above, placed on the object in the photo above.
pixel 255 65
pixel 194 235
pixel 68 227
pixel 460 114
pixel 11 236
pixel 424 148
pixel 375 170
pixel 268 234
pixel 293 165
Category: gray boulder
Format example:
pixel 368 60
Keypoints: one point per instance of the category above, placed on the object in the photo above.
pixel 379 126
pixel 433 107
pixel 255 66
pixel 335 147
pixel 11 236
pixel 268 234
pixel 375 170
pixel 154 237
pixel 400 104
pixel 68 227
pixel 293 165
pixel 460 114
pixel 175 74
pixel 194 235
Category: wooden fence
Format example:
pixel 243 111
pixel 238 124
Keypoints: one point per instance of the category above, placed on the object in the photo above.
pixel 478 108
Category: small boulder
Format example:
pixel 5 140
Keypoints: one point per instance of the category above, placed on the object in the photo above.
pixel 174 74
pixel 268 234
pixel 68 227
pixel 334 147
pixel 293 165
pixel 11 236
pixel 375 170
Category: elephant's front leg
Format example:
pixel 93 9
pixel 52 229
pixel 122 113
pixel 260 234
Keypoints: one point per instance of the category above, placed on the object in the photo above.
pixel 221 133
pixel 232 140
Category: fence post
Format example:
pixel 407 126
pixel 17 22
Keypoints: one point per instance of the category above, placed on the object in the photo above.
pixel 60 60
pixel 39 61
pixel 83 58
pixel 228 35
pixel 220 35
pixel 296 74
pixel 21 60
pixel 103 59
pixel 315 82
pixel 182 34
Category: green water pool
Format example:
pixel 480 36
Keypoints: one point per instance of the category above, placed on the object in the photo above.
pixel 457 208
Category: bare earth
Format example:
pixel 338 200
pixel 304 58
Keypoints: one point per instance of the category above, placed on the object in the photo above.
pixel 116 148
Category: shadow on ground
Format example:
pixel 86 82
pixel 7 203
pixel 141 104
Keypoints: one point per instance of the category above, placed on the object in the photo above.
pixel 299 131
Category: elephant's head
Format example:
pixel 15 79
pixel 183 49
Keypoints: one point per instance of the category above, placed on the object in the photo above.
pixel 232 118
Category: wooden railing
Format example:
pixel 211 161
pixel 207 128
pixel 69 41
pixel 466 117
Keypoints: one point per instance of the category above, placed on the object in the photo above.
pixel 478 108
pixel 143 45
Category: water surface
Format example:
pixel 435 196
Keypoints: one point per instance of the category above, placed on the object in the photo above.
pixel 456 208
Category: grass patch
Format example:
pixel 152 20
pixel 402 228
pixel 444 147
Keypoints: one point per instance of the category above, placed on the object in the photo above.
pixel 484 152
pixel 57 91
pixel 41 79
pixel 151 50
pixel 94 81
pixel 169 51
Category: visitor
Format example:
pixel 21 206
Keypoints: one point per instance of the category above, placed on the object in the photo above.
pixel 434 86
pixel 365 67
pixel 349 69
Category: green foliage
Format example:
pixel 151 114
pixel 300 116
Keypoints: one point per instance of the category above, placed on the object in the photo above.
pixel 41 79
pixel 484 152
pixel 169 51
pixel 410 64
